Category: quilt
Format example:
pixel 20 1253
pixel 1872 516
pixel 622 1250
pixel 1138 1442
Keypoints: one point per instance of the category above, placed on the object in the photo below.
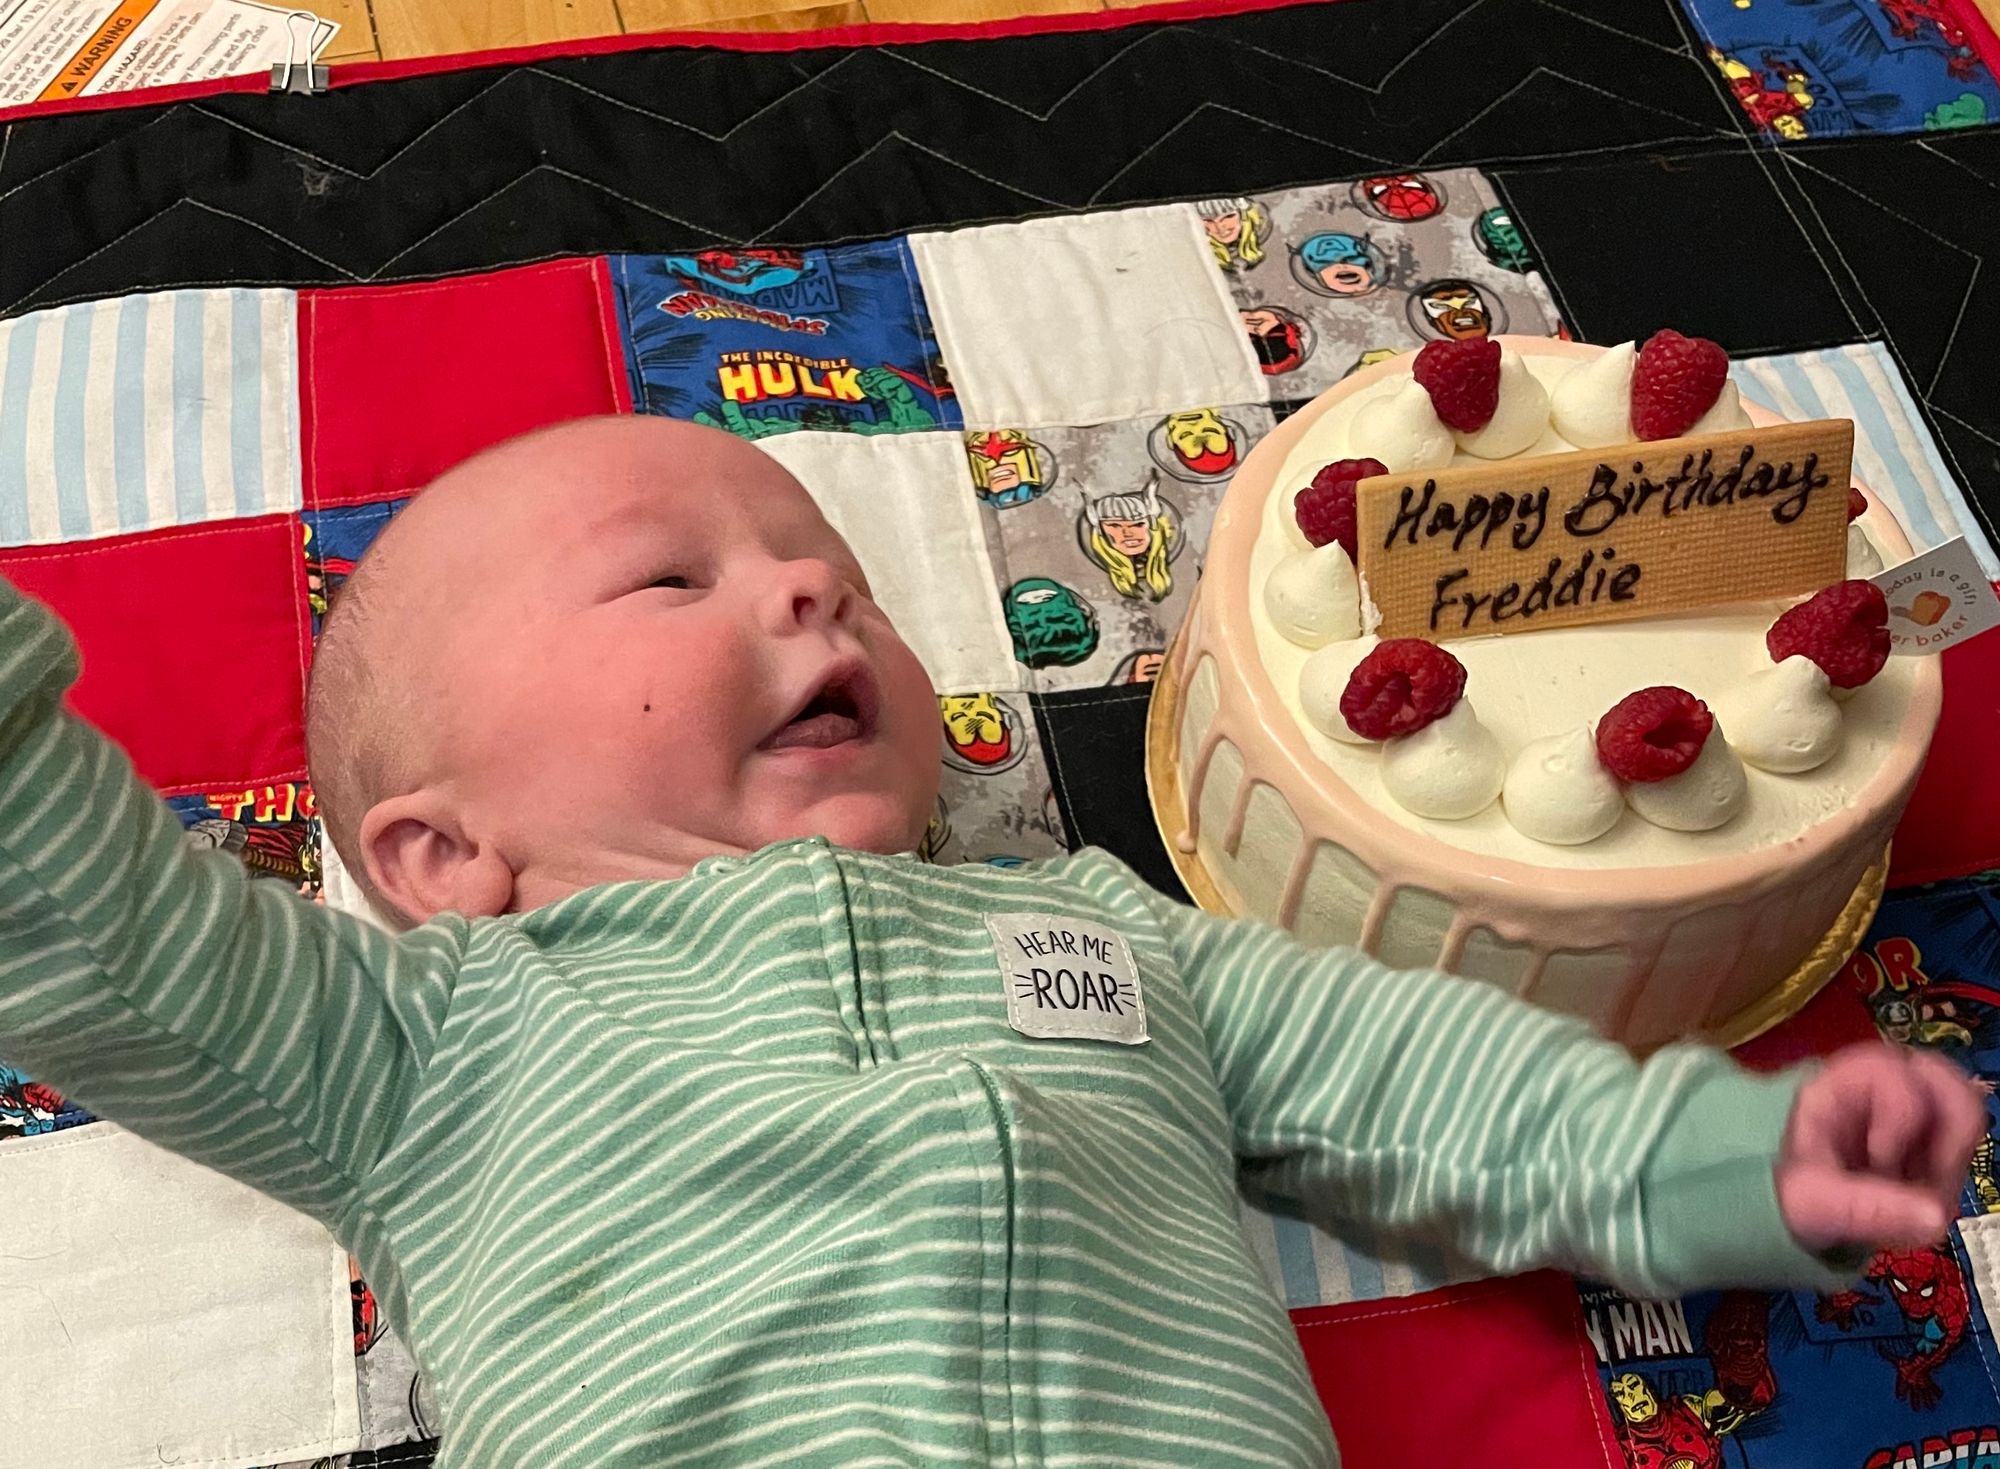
pixel 1014 308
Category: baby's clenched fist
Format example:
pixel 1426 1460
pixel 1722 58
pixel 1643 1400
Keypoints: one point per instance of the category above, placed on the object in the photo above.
pixel 1877 1149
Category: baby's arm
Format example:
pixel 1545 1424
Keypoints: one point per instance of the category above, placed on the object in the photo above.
pixel 220 1017
pixel 1441 1106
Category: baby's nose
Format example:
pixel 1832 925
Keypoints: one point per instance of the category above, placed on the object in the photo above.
pixel 810 591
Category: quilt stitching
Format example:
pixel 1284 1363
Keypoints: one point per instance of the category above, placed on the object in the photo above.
pixel 1794 160
pixel 1153 37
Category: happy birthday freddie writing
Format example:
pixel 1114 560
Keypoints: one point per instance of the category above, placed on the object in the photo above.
pixel 1608 500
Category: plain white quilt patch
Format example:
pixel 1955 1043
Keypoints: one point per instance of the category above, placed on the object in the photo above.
pixel 1068 979
pixel 163 1315
pixel 1086 318
pixel 906 505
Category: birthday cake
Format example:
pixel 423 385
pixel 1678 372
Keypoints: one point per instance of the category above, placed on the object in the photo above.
pixel 1646 822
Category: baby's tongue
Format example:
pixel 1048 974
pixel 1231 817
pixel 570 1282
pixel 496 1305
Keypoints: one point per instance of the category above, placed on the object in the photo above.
pixel 816 732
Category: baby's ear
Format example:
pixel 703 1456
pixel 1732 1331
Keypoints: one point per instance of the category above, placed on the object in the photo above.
pixel 422 862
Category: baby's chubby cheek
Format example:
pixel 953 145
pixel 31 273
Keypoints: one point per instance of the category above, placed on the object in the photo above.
pixel 915 732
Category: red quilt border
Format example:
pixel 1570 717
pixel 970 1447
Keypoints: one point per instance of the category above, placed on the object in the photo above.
pixel 1979 32
pixel 885 34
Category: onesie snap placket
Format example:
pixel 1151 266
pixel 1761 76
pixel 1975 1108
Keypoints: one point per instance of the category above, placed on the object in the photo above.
pixel 837 947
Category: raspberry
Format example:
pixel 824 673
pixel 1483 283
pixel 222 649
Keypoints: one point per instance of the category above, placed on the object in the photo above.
pixel 1400 687
pixel 1463 379
pixel 1653 734
pixel 1857 504
pixel 1324 509
pixel 1677 379
pixel 1844 629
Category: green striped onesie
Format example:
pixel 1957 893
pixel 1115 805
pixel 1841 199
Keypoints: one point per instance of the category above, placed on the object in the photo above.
pixel 754 1167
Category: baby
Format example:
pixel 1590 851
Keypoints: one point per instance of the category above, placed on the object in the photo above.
pixel 692 1120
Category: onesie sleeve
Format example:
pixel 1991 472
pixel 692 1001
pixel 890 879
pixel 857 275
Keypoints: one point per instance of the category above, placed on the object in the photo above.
pixel 1425 1103
pixel 223 1018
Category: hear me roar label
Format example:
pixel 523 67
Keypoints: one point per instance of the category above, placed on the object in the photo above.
pixel 1068 979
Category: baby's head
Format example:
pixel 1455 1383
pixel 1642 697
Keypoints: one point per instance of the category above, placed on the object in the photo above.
pixel 605 651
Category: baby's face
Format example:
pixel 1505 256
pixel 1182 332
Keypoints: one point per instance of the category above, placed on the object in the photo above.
pixel 663 652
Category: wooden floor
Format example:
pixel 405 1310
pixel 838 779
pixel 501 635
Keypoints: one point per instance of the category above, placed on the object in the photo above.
pixel 391 30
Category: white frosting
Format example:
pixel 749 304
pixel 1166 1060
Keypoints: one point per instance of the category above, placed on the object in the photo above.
pixel 1726 412
pixel 1592 406
pixel 1558 791
pixel 1782 717
pixel 1521 417
pixel 1708 794
pixel 1313 598
pixel 1324 679
pixel 1450 769
pixel 1531 686
pixel 1863 560
pixel 1402 429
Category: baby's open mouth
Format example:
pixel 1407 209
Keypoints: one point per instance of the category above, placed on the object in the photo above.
pixel 842 709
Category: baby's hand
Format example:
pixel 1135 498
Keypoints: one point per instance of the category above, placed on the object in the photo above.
pixel 1877 1150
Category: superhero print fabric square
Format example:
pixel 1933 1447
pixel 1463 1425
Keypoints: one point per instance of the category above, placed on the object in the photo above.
pixel 996 801
pixel 1100 532
pixel 397 1409
pixel 1819 68
pixel 272 829
pixel 1897 1372
pixel 1888 1375
pixel 770 341
pixel 1332 278
pixel 334 542
pixel 29 1108
pixel 1929 972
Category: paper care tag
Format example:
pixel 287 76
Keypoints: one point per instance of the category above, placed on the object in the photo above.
pixel 1938 599
pixel 1068 979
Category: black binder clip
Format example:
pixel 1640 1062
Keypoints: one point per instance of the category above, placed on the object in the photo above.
pixel 292 74
pixel 287 76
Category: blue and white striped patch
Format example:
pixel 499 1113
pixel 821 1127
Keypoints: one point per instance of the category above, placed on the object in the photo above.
pixel 1308 1266
pixel 147 411
pixel 1893 452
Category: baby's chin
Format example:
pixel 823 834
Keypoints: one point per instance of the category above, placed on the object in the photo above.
pixel 863 822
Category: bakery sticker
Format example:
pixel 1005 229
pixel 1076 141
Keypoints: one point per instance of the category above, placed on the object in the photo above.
pixel 1639 530
pixel 1937 599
